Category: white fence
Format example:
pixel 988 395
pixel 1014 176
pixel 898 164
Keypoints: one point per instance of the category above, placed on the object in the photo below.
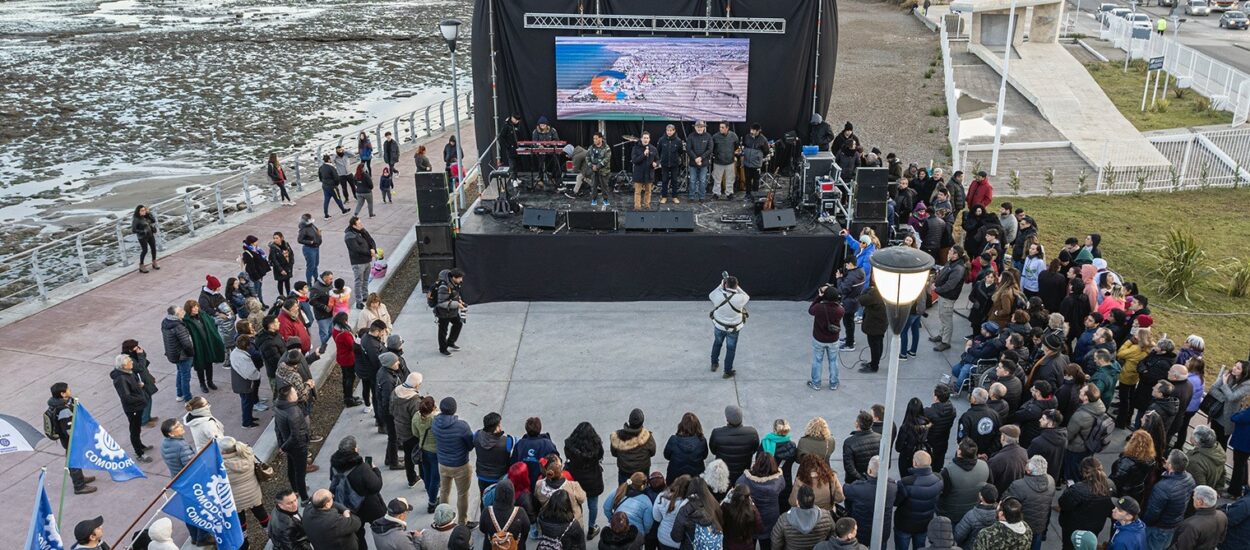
pixel 1199 160
pixel 952 113
pixel 1227 87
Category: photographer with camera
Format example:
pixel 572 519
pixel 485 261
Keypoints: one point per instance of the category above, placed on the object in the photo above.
pixel 851 286
pixel 728 315
pixel 826 312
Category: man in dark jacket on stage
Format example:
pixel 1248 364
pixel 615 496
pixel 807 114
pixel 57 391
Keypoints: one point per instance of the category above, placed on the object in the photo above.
pixel 670 147
pixel 819 133
pixel 509 134
pixel 698 161
pixel 734 443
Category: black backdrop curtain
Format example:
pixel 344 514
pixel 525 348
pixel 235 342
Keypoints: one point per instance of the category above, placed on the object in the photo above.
pixel 782 67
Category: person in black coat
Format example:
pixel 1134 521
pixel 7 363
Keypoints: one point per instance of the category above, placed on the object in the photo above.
pixel 282 259
pixel 330 525
pixel 1086 505
pixel 645 159
pixel 1151 370
pixel 941 415
pixel 734 443
pixel 143 225
pixel 862 445
pixel 1051 443
pixel 1075 307
pixel 290 424
pixel 502 508
pixel 918 495
pixel 286 527
pixel 347 466
pixel 134 399
pixel 669 147
pixel 874 326
pixel 861 501
pixel 686 451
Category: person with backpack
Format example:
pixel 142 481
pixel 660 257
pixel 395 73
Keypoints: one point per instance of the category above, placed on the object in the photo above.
pixel 449 308
pixel 332 525
pixel 698 525
pixel 356 485
pixel 504 524
pixel 826 312
pixel 405 404
pixel 558 528
pixel 1089 431
pixel 493 449
pixel 58 421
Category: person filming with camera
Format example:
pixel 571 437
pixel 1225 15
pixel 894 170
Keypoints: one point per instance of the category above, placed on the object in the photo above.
pixel 729 314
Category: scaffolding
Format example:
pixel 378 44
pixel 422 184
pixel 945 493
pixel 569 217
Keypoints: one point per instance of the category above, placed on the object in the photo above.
pixel 655 23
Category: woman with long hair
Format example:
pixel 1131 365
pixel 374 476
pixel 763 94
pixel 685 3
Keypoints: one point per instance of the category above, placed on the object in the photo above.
pixel 1231 389
pixel 1197 369
pixel 1112 299
pixel 364 149
pixel 422 430
pixel 557 520
pixel 700 518
pixel 913 435
pixel 553 481
pixel 630 499
pixel 277 177
pixel 1130 354
pixel 1034 265
pixel 1069 393
pixel 743 522
pixel 1131 471
pixel 1052 285
pixel 209 348
pixel 584 451
pixel 374 310
pixel 785 453
pixel 667 505
pixel 143 225
pixel 1007 298
pixel 1240 443
pixel 766 484
pixel 686 450
pixel 282 260
pixel 235 297
pixel 1086 505
pixel 422 160
pixel 816 474
pixel 345 357
pixel 817 440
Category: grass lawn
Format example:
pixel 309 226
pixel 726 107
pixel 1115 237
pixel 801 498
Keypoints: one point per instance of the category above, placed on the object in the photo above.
pixel 1125 90
pixel 1133 227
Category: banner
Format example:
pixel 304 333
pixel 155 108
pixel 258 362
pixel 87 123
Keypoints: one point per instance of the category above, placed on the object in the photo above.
pixel 92 448
pixel 43 534
pixel 203 499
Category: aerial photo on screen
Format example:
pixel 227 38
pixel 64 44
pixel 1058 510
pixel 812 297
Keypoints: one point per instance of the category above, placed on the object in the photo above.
pixel 606 78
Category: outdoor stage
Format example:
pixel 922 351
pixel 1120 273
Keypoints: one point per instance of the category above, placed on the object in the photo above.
pixel 507 262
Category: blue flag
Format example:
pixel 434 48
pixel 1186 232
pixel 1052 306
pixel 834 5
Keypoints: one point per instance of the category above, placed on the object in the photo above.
pixel 203 499
pixel 43 534
pixel 92 448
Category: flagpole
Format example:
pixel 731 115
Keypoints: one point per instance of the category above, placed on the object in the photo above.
pixel 158 497
pixel 60 507
pixel 131 544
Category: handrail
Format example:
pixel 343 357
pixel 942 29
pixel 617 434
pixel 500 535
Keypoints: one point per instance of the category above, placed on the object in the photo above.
pixel 74 257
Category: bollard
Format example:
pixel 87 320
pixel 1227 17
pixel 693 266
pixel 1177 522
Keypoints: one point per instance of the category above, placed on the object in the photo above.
pixel 186 204
pixel 247 194
pixel 34 263
pixel 221 210
pixel 299 181
pixel 377 136
pixel 82 258
pixel 121 244
pixel 395 130
pixel 412 126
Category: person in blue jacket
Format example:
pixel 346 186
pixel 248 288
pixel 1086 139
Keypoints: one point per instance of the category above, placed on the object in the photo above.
pixel 1238 535
pixel 454 440
pixel 631 499
pixel 1127 530
pixel 863 249
pixel 533 447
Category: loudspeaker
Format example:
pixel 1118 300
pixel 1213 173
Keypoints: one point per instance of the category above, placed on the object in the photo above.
pixel 819 164
pixel 542 218
pixel 592 220
pixel 673 220
pixel 881 228
pixel 871 184
pixel 431 266
pixel 431 180
pixel 781 218
pixel 870 210
pixel 434 240
pixel 432 206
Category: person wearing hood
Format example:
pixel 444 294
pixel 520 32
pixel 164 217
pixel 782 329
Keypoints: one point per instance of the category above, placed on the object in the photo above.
pixel 531 449
pixel 621 535
pixel 983 515
pixel 133 398
pixel 448 309
pixel 940 535
pixel 179 349
pixel 454 441
pixel 802 527
pixel 139 363
pixel 389 377
pixel 686 450
pixel 734 443
pixel 404 406
pixel 633 446
pixel 861 501
pixel 1035 492
pixel 286 524
pixel 161 533
pixel 330 525
pixel 347 466
pixel 630 498
pixel 918 495
pixel 493 449
pixel 819 133
pixel 503 515
pixel 239 461
pixel 1128 532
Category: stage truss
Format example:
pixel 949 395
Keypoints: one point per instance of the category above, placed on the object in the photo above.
pixel 655 23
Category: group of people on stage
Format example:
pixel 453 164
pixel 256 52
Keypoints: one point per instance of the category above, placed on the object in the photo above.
pixel 712 159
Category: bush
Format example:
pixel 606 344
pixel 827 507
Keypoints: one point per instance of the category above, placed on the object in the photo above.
pixel 1182 263
pixel 929 73
pixel 1239 278
pixel 1161 106
pixel 1201 104
pixel 938 111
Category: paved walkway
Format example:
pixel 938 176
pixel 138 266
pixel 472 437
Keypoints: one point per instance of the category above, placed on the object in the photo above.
pixel 75 342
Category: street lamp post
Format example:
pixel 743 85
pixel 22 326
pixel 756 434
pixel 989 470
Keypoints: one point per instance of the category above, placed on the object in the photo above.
pixel 899 274
pixel 451 31
pixel 1002 90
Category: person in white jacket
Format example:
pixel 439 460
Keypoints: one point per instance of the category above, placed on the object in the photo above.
pixel 162 534
pixel 729 315
pixel 201 424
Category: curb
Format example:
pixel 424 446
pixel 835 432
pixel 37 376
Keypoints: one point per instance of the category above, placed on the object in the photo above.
pixel 1099 55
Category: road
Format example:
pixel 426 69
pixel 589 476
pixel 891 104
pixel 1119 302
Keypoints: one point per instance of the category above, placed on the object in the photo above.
pixel 1199 32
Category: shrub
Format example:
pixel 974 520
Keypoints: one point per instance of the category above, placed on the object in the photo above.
pixel 938 111
pixel 1180 92
pixel 1201 104
pixel 1080 183
pixel 1161 106
pixel 928 73
pixel 1048 182
pixel 1239 278
pixel 1182 263
pixel 1014 182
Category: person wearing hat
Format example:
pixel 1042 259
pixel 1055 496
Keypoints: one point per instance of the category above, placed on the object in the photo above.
pixel 404 404
pixel 846 135
pixel 1011 461
pixel 1036 493
pixel 461 538
pixel 89 533
pixel 1128 532
pixel 364 479
pixel 210 294
pixel 980 191
pixel 389 377
pixel 699 162
pixel 819 133
pixel 455 441
pixel 549 168
pixel 734 443
pixel 1049 366
pixel 330 525
pixel 438 534
pixel 633 446
pixel 256 264
pixel 391 532
pixel 669 147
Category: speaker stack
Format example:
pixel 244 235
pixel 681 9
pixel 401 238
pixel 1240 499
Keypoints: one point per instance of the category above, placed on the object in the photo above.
pixel 436 248
pixel 675 220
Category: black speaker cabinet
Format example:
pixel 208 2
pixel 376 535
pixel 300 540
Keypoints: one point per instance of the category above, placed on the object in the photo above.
pixel 431 180
pixel 819 164
pixel 870 210
pixel 674 220
pixel 431 266
pixel 592 220
pixel 541 218
pixel 871 184
pixel 432 206
pixel 434 240
pixel 781 218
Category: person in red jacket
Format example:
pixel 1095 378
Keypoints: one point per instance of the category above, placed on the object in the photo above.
pixel 290 323
pixel 980 192
pixel 345 356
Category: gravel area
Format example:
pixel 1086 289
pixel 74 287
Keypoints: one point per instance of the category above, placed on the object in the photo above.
pixel 883 53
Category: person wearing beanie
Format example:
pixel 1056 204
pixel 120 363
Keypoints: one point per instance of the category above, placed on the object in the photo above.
pixel 633 446
pixel 940 535
pixel 1083 540
pixel 734 443
pixel 347 466
pixel 438 534
pixel 404 405
pixel 550 169
pixel 256 265
pixel 846 135
pixel 461 538
pixel 985 346
pixel 210 295
pixel 454 442
pixel 389 377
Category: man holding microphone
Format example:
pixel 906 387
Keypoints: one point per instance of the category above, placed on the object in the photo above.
pixel 645 160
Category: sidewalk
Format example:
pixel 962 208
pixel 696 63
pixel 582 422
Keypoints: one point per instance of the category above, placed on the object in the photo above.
pixel 75 342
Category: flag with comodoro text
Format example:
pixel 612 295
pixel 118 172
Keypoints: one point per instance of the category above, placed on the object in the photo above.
pixel 43 534
pixel 92 448
pixel 203 499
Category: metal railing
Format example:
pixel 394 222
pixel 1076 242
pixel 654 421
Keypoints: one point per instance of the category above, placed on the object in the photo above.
pixel 34 273
pixel 1199 160
pixel 952 112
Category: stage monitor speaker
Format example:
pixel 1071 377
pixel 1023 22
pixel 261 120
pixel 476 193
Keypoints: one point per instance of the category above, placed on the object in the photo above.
pixel 881 228
pixel 673 220
pixel 592 220
pixel 819 164
pixel 434 240
pixel 781 218
pixel 870 210
pixel 541 218
pixel 431 180
pixel 432 206
pixel 871 184
pixel 431 266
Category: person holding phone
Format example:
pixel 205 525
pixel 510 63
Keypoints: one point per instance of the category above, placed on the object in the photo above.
pixel 728 317
pixel 826 312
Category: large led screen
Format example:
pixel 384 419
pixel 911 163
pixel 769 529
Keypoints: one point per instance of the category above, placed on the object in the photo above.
pixel 608 78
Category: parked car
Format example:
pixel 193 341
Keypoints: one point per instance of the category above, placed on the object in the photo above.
pixel 1122 13
pixel 1223 5
pixel 1140 21
pixel 1103 9
pixel 1198 7
pixel 1167 3
pixel 1234 19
